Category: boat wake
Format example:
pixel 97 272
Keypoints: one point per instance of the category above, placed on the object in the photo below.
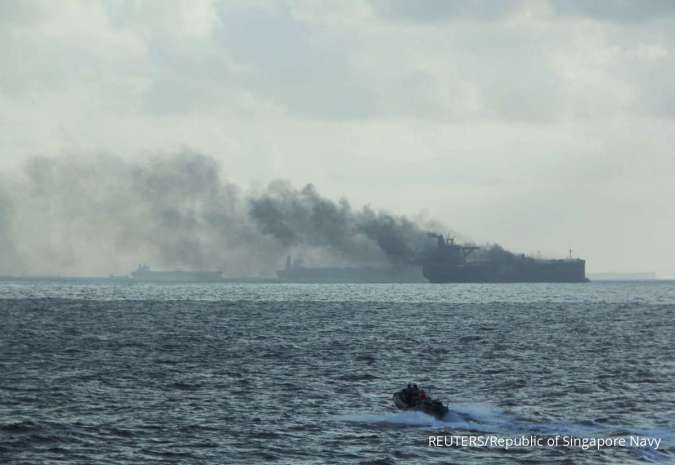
pixel 468 417
pixel 479 419
pixel 485 419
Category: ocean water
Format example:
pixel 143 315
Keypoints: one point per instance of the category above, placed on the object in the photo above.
pixel 304 374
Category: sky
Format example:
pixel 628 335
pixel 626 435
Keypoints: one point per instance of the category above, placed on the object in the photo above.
pixel 540 125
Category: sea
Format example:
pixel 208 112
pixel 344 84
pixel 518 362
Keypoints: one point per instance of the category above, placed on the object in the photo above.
pixel 131 373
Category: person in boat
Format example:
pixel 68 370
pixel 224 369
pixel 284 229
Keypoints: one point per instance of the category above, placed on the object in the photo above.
pixel 413 396
pixel 406 393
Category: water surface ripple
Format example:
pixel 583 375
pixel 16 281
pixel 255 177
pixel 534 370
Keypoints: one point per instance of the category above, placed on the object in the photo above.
pixel 123 374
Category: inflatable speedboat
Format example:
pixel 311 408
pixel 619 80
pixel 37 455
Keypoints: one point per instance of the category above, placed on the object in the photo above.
pixel 413 398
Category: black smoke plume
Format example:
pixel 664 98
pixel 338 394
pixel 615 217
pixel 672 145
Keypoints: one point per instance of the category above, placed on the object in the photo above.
pixel 302 217
pixel 100 214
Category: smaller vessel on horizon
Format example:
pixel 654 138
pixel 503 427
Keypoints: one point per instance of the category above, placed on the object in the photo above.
pixel 144 274
pixel 296 272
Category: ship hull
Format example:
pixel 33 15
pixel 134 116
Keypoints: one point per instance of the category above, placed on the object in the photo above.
pixel 531 271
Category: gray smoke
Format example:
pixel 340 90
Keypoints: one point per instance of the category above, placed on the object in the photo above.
pixel 302 217
pixel 9 261
pixel 495 253
pixel 100 214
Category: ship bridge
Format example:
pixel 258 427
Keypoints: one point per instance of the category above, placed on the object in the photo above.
pixel 449 251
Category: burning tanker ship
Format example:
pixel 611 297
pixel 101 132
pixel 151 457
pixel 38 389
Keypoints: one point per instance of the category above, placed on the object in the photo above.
pixel 449 262
pixel 445 261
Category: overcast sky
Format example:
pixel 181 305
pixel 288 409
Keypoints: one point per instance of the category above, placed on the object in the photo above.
pixel 541 125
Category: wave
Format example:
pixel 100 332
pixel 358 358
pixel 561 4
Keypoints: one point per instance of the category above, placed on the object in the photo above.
pixel 469 417
pixel 482 418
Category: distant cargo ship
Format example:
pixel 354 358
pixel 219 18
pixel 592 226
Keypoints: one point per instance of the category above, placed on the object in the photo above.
pixel 144 274
pixel 296 272
pixel 449 262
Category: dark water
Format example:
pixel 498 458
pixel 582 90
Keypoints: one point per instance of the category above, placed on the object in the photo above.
pixel 218 374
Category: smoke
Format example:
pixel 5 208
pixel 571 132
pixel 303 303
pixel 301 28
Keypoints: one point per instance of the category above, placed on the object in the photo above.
pixel 100 214
pixel 495 253
pixel 302 217
pixel 10 261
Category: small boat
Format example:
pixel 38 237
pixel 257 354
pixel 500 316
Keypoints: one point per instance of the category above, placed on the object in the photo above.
pixel 413 398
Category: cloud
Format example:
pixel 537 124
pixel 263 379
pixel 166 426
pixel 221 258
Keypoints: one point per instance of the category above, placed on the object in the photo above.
pixel 248 59
pixel 616 10
pixel 440 10
pixel 450 107
pixel 300 67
